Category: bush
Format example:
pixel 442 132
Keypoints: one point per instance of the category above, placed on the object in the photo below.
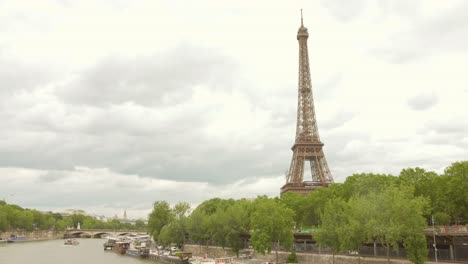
pixel 292 258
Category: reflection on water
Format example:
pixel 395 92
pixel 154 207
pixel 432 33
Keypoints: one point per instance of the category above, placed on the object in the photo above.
pixel 89 251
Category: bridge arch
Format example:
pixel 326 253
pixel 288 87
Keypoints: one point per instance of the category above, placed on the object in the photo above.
pixel 80 234
pixel 101 234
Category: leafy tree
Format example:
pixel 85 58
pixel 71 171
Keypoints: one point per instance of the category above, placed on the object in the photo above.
pixel 64 223
pixel 420 179
pixel 333 220
pixel 316 200
pixel 4 224
pixel 198 226
pixel 416 248
pixel 181 210
pixel 455 183
pixel 237 224
pixel 297 203
pixel 140 224
pixel 159 217
pixel 77 218
pixel 365 183
pixel 272 223
pixel 173 232
pixel 392 215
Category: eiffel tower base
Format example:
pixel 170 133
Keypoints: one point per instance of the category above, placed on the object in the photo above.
pixel 300 188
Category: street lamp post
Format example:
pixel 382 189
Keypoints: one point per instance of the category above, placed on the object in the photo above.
pixel 434 235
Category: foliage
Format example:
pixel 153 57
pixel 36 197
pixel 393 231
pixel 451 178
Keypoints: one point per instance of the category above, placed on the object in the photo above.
pixel 172 233
pixel 416 248
pixel 333 220
pixel 159 217
pixel 272 224
pixel 14 217
pixel 198 226
pixel 297 203
pixel 292 258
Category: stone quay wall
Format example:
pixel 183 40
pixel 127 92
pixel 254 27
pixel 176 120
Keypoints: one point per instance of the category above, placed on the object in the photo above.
pixel 35 235
pixel 215 252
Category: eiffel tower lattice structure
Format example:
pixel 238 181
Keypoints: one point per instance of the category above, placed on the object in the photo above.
pixel 307 147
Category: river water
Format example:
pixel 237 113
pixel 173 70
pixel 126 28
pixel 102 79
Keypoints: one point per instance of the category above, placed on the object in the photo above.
pixel 89 251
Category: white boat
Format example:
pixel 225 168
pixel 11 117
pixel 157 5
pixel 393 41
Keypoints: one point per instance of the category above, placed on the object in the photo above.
pixel 71 242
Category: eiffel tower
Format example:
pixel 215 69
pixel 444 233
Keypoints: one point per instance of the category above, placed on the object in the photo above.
pixel 307 146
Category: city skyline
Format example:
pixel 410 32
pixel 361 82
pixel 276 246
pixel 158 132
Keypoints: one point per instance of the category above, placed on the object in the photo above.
pixel 114 105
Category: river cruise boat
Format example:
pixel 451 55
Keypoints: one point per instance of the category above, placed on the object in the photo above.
pixel 177 258
pixel 71 242
pixel 138 252
pixel 121 247
pixel 109 244
pixel 211 261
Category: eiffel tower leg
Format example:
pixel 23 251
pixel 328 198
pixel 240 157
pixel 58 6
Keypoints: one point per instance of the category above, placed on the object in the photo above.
pixel 296 171
pixel 327 174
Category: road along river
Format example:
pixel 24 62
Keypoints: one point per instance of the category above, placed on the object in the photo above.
pixel 89 251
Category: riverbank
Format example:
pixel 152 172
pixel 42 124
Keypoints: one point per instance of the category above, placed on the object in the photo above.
pixel 38 235
pixel 256 258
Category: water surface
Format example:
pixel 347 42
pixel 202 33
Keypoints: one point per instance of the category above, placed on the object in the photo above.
pixel 89 251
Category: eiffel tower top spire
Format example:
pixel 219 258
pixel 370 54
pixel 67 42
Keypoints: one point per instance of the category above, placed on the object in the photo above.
pixel 302 32
pixel 302 21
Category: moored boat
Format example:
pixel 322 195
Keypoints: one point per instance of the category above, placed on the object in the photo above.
pixel 121 247
pixel 71 242
pixel 178 258
pixel 109 244
pixel 138 252
pixel 16 238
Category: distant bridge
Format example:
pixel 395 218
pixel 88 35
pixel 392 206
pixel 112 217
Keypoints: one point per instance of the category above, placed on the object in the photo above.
pixel 98 233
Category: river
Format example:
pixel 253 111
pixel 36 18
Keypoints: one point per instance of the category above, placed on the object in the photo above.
pixel 89 251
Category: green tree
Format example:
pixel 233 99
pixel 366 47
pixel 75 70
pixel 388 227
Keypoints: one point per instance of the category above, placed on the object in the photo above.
pixel 454 194
pixel 272 224
pixel 392 216
pixel 237 224
pixel 416 248
pixel 333 220
pixel 173 232
pixel 140 224
pixel 159 217
pixel 315 202
pixel 365 183
pixel 297 203
pixel 198 226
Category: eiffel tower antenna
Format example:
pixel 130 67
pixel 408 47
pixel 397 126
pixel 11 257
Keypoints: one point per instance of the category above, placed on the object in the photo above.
pixel 302 21
pixel 307 147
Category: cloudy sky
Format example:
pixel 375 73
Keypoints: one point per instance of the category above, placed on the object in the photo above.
pixel 112 105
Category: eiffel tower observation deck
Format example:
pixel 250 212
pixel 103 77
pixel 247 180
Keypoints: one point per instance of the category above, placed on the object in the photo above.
pixel 307 147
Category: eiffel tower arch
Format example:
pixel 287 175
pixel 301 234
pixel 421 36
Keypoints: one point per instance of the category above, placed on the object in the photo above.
pixel 307 148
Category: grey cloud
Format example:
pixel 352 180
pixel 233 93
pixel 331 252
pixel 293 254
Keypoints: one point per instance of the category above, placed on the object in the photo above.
pixel 16 77
pixel 344 10
pixel 423 101
pixel 51 176
pixel 337 120
pixel 325 90
pixel 167 78
pixel 402 8
pixel 448 132
pixel 445 32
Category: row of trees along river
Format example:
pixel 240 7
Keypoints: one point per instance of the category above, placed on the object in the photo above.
pixel 14 217
pixel 365 208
